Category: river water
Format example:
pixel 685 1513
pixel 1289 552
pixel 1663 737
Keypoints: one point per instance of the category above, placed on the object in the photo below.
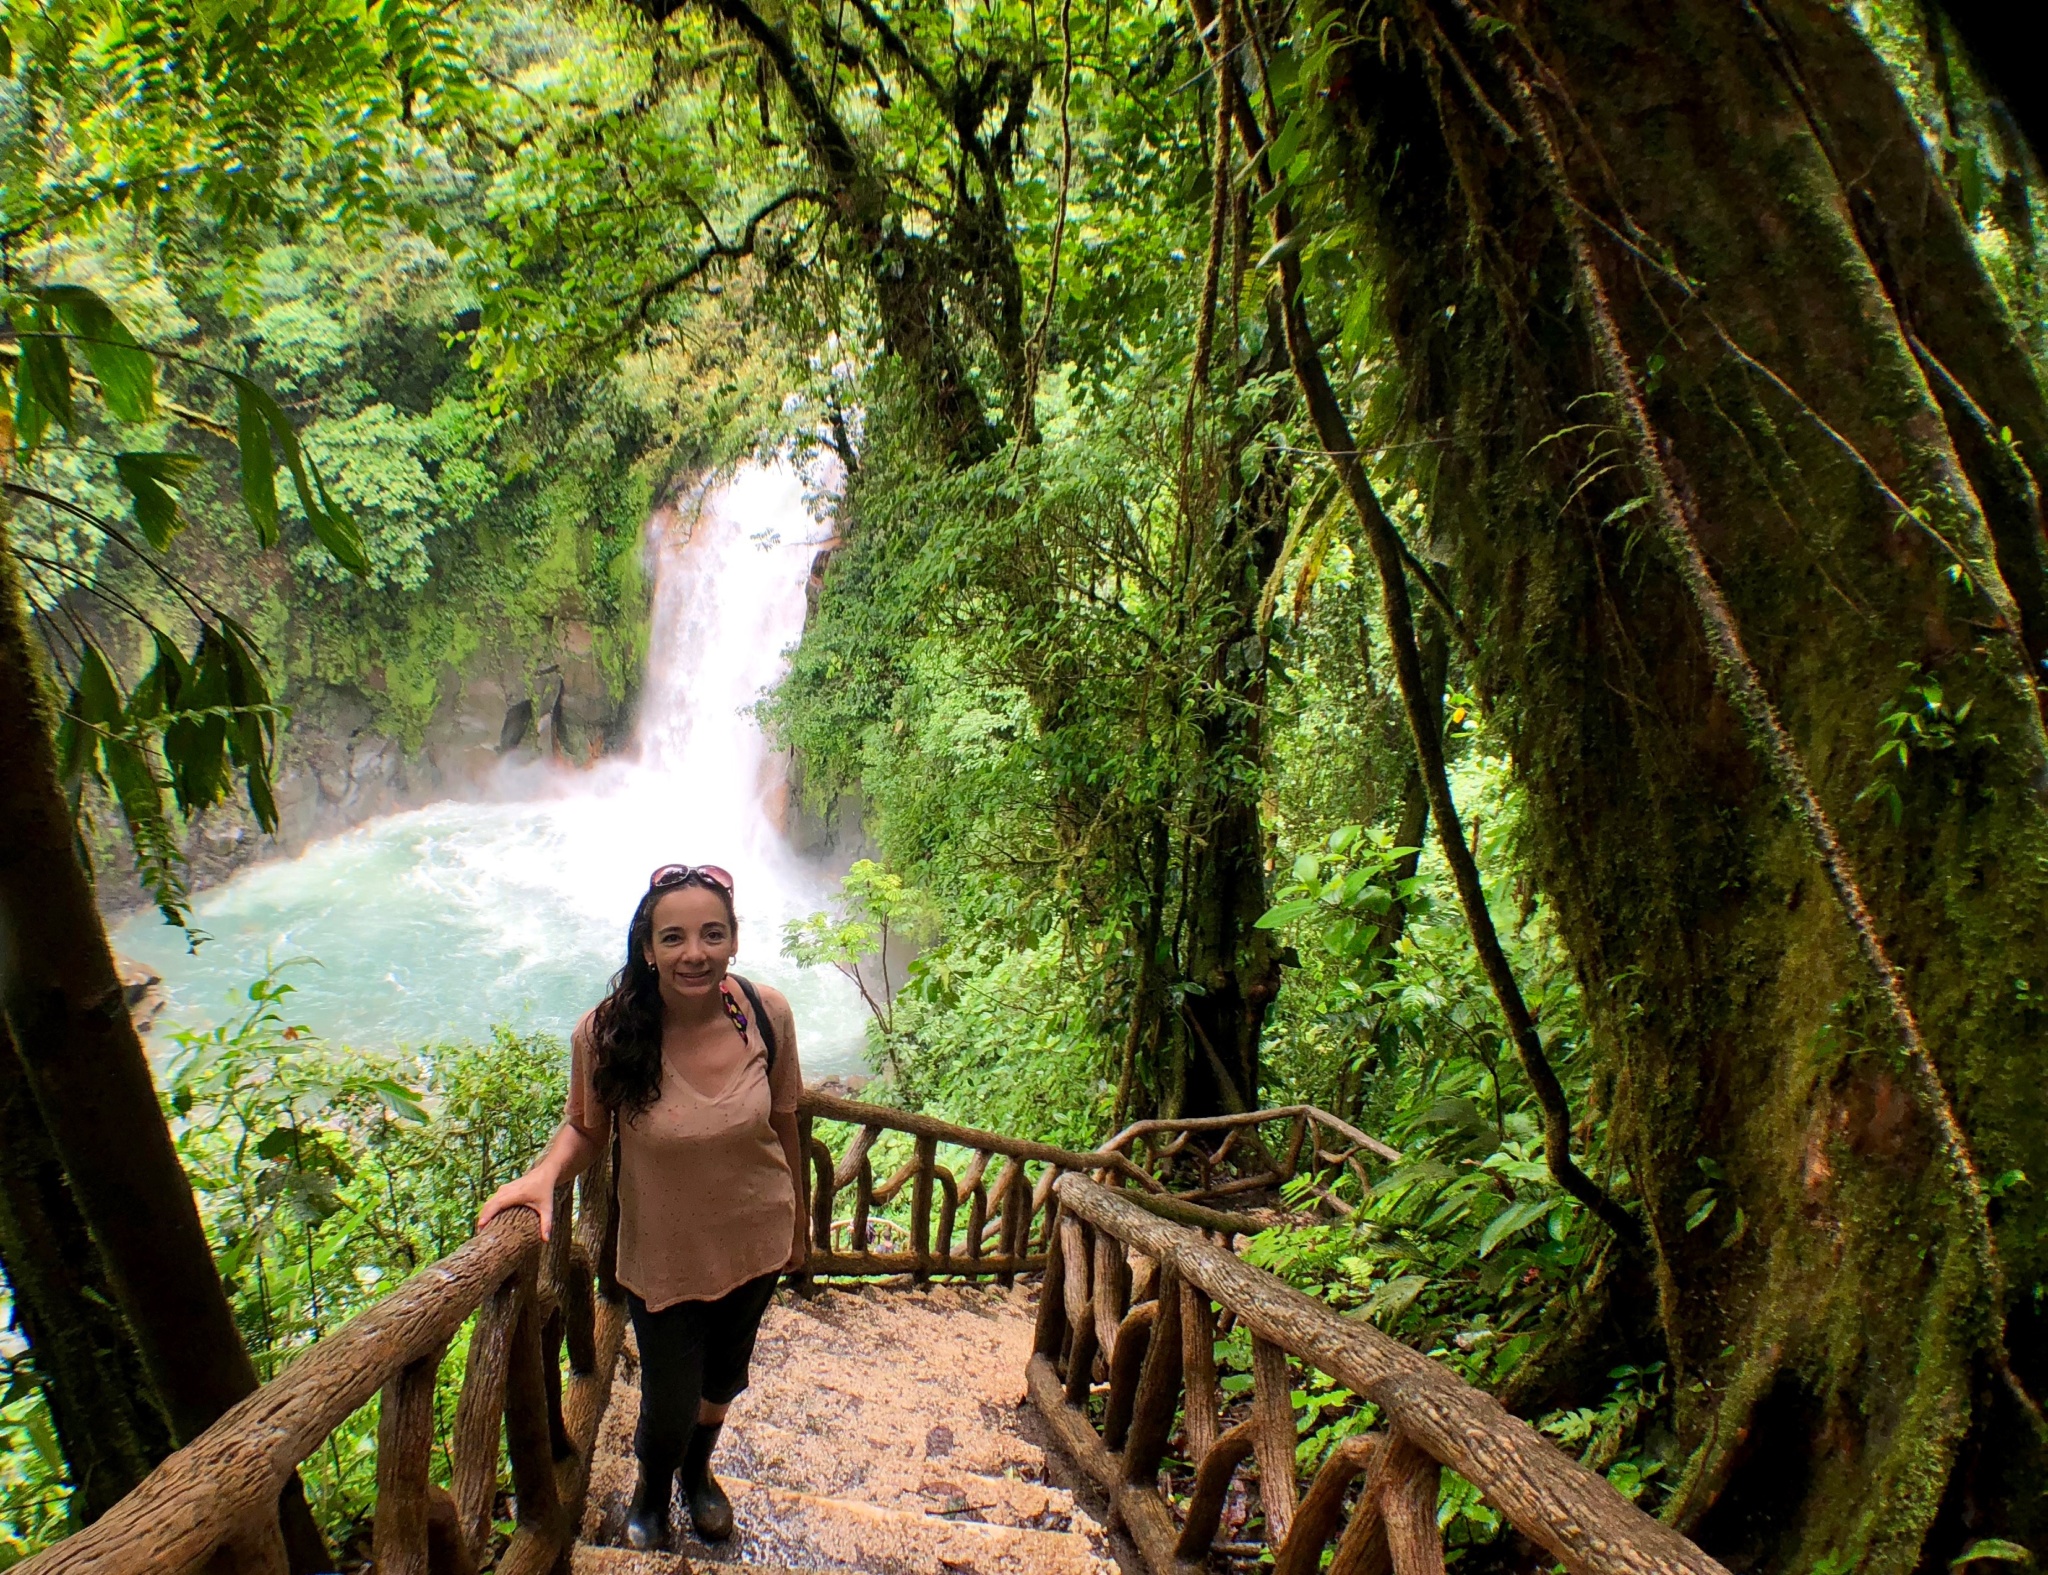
pixel 440 922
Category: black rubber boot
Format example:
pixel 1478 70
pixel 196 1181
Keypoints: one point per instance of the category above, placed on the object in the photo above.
pixel 647 1525
pixel 710 1509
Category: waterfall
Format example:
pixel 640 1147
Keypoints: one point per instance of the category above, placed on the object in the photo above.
pixel 441 921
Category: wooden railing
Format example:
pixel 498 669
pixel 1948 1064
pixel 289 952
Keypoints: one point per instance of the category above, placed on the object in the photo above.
pixel 213 1504
pixel 1127 1317
pixel 1214 1157
pixel 1128 1312
pixel 967 1222
pixel 970 1222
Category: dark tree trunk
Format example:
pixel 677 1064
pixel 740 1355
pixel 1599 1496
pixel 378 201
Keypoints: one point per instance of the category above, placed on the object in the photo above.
pixel 1827 371
pixel 85 1067
pixel 84 1353
pixel 1233 965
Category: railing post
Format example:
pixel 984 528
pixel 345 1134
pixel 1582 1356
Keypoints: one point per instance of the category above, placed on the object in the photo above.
pixel 529 1437
pixel 1198 1359
pixel 1075 1248
pixel 863 1200
pixel 921 1210
pixel 1318 1514
pixel 1126 1362
pixel 1007 1183
pixel 1050 1332
pixel 1214 1468
pixel 405 1443
pixel 949 1211
pixel 823 1190
pixel 1158 1387
pixel 1273 1410
pixel 1112 1282
pixel 1409 1507
pixel 977 1205
pixel 579 1315
pixel 478 1415
pixel 805 1186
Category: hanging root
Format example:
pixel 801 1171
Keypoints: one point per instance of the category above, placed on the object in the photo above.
pixel 1219 219
pixel 1034 352
pixel 1334 433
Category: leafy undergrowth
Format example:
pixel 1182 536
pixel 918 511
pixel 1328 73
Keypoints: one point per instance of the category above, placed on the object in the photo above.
pixel 325 1177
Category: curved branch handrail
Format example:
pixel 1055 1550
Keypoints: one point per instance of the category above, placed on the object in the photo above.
pixel 1017 1208
pixel 1434 1418
pixel 830 1107
pixel 1315 1113
pixel 213 1503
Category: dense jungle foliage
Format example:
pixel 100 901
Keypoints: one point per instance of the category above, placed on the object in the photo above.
pixel 1481 567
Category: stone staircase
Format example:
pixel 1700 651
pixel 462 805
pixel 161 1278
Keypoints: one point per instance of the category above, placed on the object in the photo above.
pixel 884 1431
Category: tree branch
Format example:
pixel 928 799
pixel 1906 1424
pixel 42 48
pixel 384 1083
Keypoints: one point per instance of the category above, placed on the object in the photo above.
pixel 743 247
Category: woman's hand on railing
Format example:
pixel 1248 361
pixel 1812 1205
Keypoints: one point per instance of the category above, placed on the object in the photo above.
pixel 535 1190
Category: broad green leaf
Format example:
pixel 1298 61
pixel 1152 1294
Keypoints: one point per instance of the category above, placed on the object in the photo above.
pixel 159 690
pixel 1992 1548
pixel 1280 250
pixel 126 770
pixel 278 1143
pixel 94 707
pixel 29 419
pixel 332 527
pixel 150 480
pixel 401 1101
pixel 195 742
pixel 1516 1216
pixel 254 730
pixel 1286 913
pixel 45 377
pixel 259 466
pixel 338 534
pixel 1282 151
pixel 126 372
pixel 1396 1296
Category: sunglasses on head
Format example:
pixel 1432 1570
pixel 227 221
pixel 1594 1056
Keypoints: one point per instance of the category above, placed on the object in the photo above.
pixel 675 874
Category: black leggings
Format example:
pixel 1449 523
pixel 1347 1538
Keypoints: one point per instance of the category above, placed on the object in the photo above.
pixel 691 1352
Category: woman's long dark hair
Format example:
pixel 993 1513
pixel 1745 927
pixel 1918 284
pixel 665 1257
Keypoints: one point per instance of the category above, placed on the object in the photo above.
pixel 625 1030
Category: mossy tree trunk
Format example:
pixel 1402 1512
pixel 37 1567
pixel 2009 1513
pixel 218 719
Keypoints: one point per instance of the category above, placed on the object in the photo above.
pixel 84 1354
pixel 1851 419
pixel 1230 969
pixel 83 1065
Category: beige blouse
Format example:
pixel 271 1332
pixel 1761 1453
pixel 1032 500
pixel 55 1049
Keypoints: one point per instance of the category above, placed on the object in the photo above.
pixel 706 1200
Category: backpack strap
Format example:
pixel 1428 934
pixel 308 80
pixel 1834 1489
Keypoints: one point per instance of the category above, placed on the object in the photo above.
pixel 760 1017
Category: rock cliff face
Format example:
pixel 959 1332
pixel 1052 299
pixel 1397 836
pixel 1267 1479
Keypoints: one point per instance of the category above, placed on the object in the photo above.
pixel 338 766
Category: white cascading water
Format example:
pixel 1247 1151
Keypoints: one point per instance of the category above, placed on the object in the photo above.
pixel 439 922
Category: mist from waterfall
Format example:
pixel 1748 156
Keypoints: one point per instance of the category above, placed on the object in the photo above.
pixel 439 922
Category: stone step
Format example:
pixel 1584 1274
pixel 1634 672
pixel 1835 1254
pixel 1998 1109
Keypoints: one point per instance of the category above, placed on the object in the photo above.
pixel 881 1432
pixel 587 1560
pixel 793 1530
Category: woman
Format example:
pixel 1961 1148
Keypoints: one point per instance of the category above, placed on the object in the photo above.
pixel 707 1164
